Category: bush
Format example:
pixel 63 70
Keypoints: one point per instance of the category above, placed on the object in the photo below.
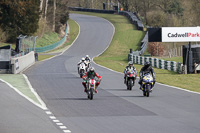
pixel 156 49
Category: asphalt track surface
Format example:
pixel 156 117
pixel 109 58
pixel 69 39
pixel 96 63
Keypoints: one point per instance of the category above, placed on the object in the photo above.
pixel 18 115
pixel 114 109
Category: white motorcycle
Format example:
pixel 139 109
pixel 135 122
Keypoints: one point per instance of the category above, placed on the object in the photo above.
pixel 82 69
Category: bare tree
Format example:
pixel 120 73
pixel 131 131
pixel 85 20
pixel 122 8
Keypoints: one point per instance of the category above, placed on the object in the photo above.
pixel 54 15
pixel 45 12
pixel 41 5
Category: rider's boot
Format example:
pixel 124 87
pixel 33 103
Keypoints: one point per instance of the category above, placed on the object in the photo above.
pixel 97 84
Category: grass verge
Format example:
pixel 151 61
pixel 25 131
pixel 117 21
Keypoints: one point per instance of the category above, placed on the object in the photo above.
pixel 74 30
pixel 126 37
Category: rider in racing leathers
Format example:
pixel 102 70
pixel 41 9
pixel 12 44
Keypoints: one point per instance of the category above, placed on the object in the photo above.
pixel 130 66
pixel 91 74
pixel 81 61
pixel 146 69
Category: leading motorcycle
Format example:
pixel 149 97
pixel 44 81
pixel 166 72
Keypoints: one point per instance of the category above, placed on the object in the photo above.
pixel 91 87
pixel 147 84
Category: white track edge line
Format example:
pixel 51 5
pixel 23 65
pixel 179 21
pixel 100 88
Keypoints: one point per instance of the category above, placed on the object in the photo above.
pixel 20 93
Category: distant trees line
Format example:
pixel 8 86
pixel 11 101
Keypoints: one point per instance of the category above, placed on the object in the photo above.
pixel 23 17
pixel 156 13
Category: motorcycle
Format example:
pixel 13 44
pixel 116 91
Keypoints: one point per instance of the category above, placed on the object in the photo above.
pixel 147 84
pixel 130 78
pixel 82 69
pixel 91 86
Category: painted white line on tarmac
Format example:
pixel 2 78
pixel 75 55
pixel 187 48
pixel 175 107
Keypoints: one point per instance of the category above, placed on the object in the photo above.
pixel 66 131
pixel 179 88
pixel 43 105
pixel 56 121
pixel 48 112
pixel 52 117
pixel 59 124
pixel 63 127
pixel 23 95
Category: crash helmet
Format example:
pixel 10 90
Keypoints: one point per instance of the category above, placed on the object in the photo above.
pixel 130 63
pixel 147 64
pixel 87 56
pixel 83 59
pixel 92 69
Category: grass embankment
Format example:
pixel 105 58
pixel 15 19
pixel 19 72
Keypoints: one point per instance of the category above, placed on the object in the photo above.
pixel 74 29
pixel 52 37
pixel 126 37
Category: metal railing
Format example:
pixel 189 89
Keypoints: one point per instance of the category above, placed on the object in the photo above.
pixel 52 46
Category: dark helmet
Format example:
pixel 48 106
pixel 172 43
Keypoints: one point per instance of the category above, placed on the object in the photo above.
pixel 147 64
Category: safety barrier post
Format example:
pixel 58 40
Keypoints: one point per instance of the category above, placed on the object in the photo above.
pixel 160 63
pixel 179 67
pixel 150 61
pixel 166 65
pixel 133 58
pixel 141 61
pixel 155 62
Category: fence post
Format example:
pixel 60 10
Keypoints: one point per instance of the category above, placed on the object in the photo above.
pixel 166 65
pixel 160 63
pixel 141 60
pixel 172 65
pixel 133 58
pixel 155 62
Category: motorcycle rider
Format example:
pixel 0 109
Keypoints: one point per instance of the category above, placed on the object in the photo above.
pixel 87 61
pixel 91 74
pixel 87 58
pixel 81 61
pixel 130 66
pixel 146 69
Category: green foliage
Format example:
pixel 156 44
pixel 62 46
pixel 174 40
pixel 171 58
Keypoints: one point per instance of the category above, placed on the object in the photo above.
pixel 175 8
pixel 47 39
pixel 19 17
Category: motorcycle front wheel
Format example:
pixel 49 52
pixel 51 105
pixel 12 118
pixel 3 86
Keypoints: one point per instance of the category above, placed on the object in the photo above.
pixel 90 94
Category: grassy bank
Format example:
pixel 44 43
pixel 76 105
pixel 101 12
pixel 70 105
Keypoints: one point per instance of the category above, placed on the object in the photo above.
pixel 126 37
pixel 74 29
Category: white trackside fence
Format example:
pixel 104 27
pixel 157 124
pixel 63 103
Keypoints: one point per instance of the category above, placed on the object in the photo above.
pixel 158 63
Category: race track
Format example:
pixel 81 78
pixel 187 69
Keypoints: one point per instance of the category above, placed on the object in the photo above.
pixel 114 109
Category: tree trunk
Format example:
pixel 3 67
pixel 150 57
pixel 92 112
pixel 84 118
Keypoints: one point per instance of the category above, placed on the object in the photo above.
pixel 54 15
pixel 41 5
pixel 45 12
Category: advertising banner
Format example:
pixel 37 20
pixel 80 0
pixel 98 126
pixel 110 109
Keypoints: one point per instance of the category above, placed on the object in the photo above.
pixel 180 34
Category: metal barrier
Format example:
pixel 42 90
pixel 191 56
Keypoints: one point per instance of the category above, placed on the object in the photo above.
pixel 52 46
pixel 158 63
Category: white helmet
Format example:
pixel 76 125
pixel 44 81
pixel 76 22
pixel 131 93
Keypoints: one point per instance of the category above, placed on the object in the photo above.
pixel 87 56
pixel 83 59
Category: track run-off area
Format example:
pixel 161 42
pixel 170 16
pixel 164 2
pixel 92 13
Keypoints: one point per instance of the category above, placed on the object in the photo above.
pixel 113 110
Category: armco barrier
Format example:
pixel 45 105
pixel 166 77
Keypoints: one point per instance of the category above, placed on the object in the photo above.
pixel 52 46
pixel 23 62
pixel 158 63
